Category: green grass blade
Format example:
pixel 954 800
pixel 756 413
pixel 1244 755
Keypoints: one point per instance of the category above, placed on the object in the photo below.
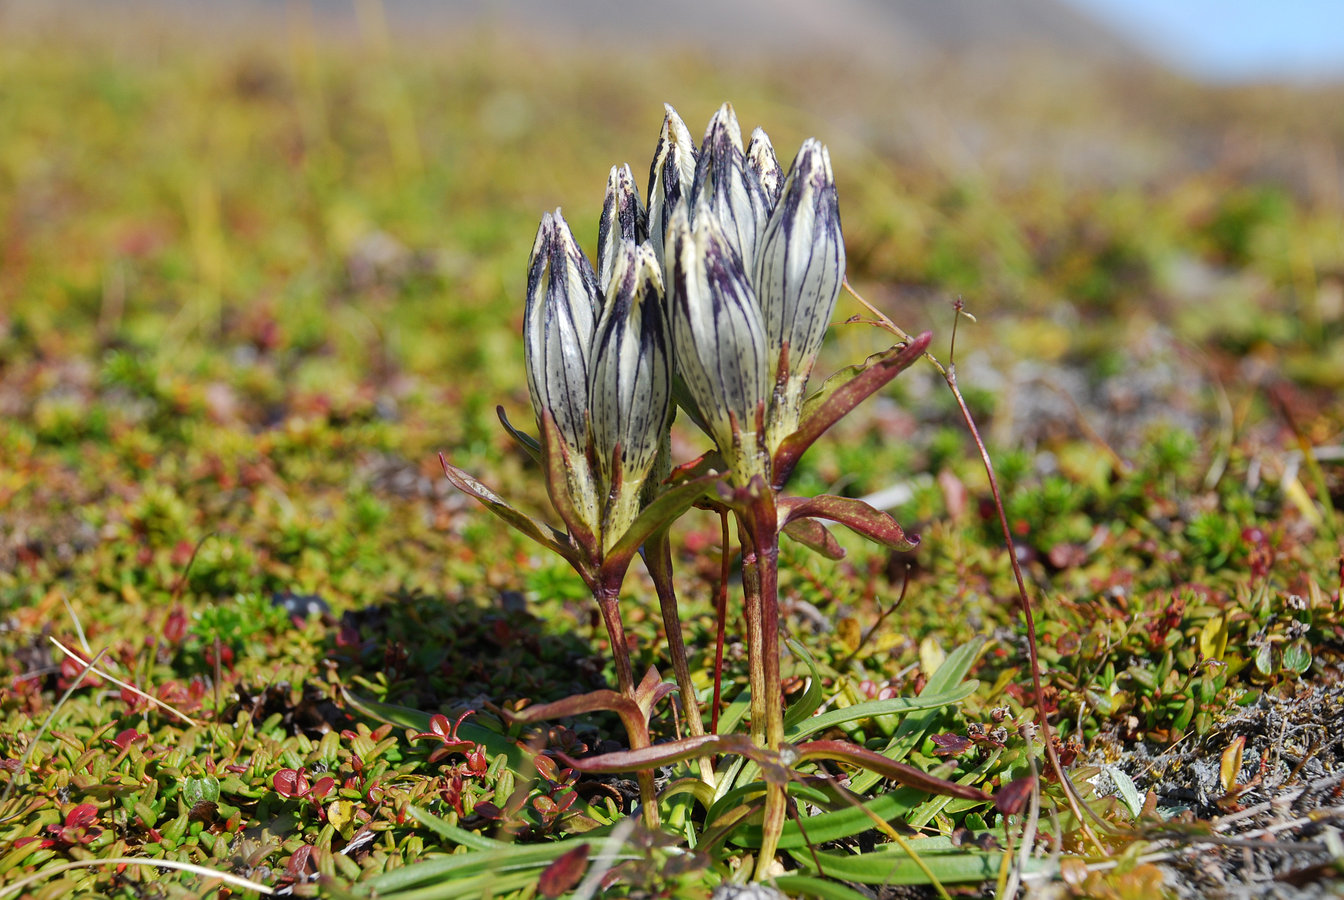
pixel 916 726
pixel 449 832
pixel 465 865
pixel 842 823
pixel 926 700
pixel 809 886
pixel 892 865
pixel 812 698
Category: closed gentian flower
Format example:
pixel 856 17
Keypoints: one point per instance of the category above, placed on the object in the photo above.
pixel 725 186
pixel 630 386
pixel 558 326
pixel 761 159
pixel 719 340
pixel 671 177
pixel 798 276
pixel 623 219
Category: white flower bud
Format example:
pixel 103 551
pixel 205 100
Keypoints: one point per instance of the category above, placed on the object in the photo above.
pixel 798 277
pixel 622 220
pixel 558 327
pixel 719 339
pixel 761 159
pixel 670 178
pixel 727 188
pixel 630 385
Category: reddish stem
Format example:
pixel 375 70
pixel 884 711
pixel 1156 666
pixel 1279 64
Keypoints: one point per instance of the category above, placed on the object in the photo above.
pixel 721 615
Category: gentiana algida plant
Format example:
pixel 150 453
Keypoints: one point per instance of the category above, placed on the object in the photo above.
pixel 712 295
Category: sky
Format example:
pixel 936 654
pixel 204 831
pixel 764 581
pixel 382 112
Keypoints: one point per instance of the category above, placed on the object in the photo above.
pixel 1235 39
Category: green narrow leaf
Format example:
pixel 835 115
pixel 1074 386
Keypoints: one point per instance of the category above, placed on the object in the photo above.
pixel 512 857
pixel 812 698
pixel 667 506
pixel 892 865
pixel 934 805
pixel 833 826
pixel 525 440
pixel 916 726
pixel 734 713
pixel 808 886
pixel 543 534
pixel 459 836
pixel 925 700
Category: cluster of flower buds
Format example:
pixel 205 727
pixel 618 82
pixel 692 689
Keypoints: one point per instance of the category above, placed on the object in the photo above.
pixel 599 366
pixel 727 279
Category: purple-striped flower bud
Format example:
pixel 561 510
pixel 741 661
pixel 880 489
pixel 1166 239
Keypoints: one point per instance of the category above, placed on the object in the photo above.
pixel 622 220
pixel 719 340
pixel 726 187
pixel 670 178
pixel 558 326
pixel 798 276
pixel 761 159
pixel 630 384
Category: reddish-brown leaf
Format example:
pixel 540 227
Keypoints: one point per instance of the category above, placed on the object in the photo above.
pixel 950 744
pixel 564 873
pixel 1013 796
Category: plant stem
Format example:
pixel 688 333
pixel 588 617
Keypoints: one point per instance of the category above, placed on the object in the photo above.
pixel 608 600
pixel 721 615
pixel 949 373
pixel 658 560
pixel 751 612
pixel 765 540
pixel 608 597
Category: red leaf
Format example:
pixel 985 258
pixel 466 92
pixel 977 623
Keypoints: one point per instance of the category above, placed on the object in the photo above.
pixel 950 744
pixel 82 815
pixel 323 787
pixel 125 738
pixel 564 873
pixel 1013 796
pixel 658 755
pixel 853 514
pixel 819 416
pixel 290 783
pixel 297 867
pixel 843 751
pixel 814 536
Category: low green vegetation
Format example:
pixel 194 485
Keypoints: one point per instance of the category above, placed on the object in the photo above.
pixel 249 292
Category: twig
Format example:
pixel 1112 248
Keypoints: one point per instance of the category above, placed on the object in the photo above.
pixel 226 877
pixel 949 374
pixel 130 687
pixel 46 723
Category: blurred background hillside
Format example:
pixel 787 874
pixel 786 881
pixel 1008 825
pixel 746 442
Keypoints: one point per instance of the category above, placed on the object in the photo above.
pixel 353 185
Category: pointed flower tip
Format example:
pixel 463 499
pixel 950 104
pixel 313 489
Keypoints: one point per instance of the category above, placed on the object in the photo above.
pixel 723 124
pixel 814 162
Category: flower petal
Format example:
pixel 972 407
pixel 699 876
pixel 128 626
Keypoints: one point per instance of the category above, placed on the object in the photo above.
pixel 799 273
pixel 718 338
pixel 623 219
pixel 761 159
pixel 670 178
pixel 725 186
pixel 558 329
pixel 630 385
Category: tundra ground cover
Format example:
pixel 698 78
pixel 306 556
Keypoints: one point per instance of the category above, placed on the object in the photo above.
pixel 247 295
